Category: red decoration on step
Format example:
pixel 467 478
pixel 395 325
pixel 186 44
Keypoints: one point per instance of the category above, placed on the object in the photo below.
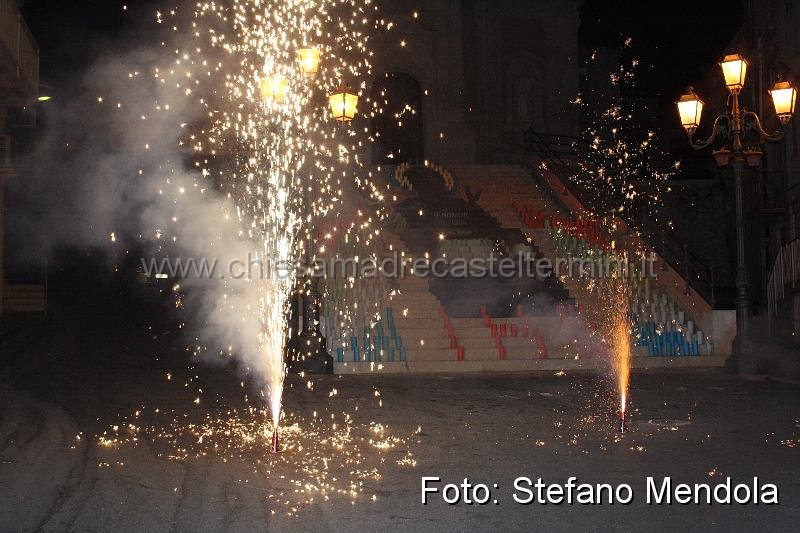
pixel 503 330
pixel 513 330
pixel 501 352
pixel 542 352
pixel 460 353
pixel 541 347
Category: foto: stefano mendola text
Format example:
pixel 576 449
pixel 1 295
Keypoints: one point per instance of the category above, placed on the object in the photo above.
pixel 657 491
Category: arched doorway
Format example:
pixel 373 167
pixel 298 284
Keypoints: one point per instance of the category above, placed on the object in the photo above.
pixel 398 129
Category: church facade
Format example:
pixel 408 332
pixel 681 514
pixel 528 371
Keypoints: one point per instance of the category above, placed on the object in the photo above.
pixel 477 74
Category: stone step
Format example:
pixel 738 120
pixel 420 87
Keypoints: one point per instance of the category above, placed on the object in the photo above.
pixel 430 354
pixel 513 352
pixel 414 299
pixel 413 283
pixel 404 309
pixel 440 342
pixel 487 341
pixel 441 351
pixel 413 335
pixel 473 327
pixel 520 365
pixel 406 312
pixel 414 323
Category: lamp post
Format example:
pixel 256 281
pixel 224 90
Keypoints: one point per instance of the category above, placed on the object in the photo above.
pixel 734 125
pixel 309 348
pixel 311 343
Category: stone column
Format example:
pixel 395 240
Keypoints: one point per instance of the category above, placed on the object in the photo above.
pixel 5 170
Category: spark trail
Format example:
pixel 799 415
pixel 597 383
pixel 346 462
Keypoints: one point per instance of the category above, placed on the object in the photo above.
pixel 268 139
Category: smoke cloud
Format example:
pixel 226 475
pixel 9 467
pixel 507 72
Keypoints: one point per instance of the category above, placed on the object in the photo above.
pixel 109 171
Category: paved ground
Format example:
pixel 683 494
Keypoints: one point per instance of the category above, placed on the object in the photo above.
pixel 100 430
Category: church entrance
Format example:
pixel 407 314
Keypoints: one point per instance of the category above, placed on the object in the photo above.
pixel 398 129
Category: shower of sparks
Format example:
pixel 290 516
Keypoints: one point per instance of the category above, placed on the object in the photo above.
pixel 621 343
pixel 329 454
pixel 622 166
pixel 268 140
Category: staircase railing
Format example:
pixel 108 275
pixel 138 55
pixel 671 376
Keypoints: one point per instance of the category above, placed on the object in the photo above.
pixel 20 44
pixel 785 273
pixel 561 155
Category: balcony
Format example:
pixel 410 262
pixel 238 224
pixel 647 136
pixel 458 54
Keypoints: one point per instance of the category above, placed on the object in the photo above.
pixel 19 58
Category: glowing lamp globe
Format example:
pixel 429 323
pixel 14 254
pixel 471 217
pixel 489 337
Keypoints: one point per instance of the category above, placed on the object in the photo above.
pixel 784 96
pixel 343 105
pixel 734 69
pixel 274 88
pixel 690 107
pixel 308 58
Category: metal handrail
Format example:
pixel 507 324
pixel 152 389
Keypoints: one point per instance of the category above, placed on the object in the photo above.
pixel 785 272
pixel 560 154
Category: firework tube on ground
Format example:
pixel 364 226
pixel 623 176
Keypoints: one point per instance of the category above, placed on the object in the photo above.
pixel 276 447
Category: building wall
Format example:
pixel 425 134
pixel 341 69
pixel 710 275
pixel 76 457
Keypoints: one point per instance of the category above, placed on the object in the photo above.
pixel 489 68
pixel 772 36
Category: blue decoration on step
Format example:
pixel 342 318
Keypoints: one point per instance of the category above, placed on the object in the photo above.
pixel 354 347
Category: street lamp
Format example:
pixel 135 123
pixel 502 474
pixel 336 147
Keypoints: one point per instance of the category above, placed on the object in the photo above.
pixel 308 58
pixel 784 96
pixel 734 69
pixel 274 88
pixel 690 107
pixel 734 124
pixel 343 105
pixel 311 343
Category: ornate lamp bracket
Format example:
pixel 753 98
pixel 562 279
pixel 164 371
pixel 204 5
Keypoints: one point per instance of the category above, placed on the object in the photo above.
pixel 721 127
pixel 752 122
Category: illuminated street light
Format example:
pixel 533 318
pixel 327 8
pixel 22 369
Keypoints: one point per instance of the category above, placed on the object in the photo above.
pixel 734 125
pixel 734 69
pixel 274 88
pixel 343 105
pixel 690 108
pixel 309 59
pixel 784 96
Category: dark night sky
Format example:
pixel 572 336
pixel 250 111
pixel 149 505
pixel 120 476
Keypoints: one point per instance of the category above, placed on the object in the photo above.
pixel 676 41
pixel 73 33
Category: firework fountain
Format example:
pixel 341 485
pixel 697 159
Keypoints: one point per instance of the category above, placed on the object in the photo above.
pixel 270 66
pixel 621 346
pixel 624 176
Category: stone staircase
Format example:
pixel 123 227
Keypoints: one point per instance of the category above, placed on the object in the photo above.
pixel 499 186
pixel 422 318
pixel 510 183
pixel 419 320
pixel 437 213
